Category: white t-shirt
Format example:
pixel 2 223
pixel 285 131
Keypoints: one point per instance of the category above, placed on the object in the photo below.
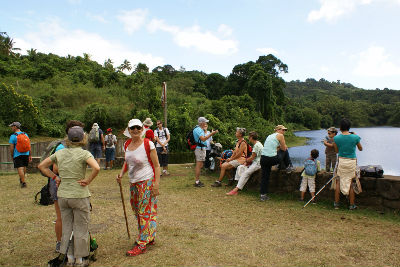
pixel 139 168
pixel 208 141
pixel 161 135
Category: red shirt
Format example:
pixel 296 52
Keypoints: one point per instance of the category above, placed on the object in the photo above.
pixel 149 133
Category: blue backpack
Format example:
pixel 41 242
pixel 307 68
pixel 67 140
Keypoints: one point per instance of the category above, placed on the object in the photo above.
pixel 310 167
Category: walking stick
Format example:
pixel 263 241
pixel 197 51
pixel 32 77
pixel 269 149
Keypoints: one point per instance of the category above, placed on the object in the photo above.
pixel 123 205
pixel 333 176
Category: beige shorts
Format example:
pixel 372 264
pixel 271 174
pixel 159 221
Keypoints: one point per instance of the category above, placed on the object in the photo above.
pixel 307 181
pixel 200 154
pixel 235 163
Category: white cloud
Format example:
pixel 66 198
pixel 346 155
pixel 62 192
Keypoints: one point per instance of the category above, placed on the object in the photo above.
pixel 97 18
pixel 133 19
pixel 330 10
pixel 53 38
pixel 204 41
pixel 267 50
pixel 324 69
pixel 375 62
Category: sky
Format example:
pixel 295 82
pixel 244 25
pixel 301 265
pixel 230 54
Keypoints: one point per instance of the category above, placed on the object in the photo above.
pixel 354 41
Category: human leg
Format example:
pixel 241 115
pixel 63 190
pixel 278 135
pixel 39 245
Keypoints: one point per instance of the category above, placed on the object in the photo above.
pixel 200 155
pixel 246 174
pixel 21 174
pixel 303 187
pixel 67 224
pixel 81 218
pixel 58 224
pixel 266 165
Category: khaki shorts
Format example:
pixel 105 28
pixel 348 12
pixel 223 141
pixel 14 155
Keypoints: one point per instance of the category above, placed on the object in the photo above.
pixel 235 163
pixel 200 154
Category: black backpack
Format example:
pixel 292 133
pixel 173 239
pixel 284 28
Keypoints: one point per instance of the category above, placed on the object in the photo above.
pixel 45 196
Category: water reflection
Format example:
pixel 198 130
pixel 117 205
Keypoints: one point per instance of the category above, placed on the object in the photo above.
pixel 380 147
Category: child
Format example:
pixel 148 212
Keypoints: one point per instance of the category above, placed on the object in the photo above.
pixel 311 167
pixel 330 152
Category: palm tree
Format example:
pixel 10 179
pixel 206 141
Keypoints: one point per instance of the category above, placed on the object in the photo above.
pixel 126 65
pixel 7 45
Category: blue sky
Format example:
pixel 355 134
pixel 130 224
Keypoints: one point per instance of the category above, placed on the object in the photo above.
pixel 354 41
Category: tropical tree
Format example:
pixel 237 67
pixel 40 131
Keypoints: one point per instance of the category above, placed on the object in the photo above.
pixel 7 45
pixel 126 65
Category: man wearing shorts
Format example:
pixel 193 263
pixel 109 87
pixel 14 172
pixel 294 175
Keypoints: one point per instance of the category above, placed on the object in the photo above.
pixel 238 157
pixel 200 151
pixel 21 159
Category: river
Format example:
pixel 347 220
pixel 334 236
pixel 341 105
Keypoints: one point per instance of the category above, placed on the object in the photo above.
pixel 380 147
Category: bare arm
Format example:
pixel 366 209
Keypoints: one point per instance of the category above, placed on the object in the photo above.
pixel 359 146
pixel 252 157
pixel 328 144
pixel 12 150
pixel 44 168
pixel 282 143
pixel 336 148
pixel 95 170
pixel 156 164
pixel 204 138
pixel 102 141
pixel 123 171
pixel 238 152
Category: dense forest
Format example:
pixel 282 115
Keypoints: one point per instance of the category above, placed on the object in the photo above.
pixel 43 91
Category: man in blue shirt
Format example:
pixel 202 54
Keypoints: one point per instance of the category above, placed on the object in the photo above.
pixel 200 152
pixel 21 159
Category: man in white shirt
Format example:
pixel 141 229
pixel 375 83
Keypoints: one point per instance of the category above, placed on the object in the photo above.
pixel 162 137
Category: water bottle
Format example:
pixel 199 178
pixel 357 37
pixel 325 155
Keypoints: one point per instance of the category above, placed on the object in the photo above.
pixel 212 164
pixel 93 244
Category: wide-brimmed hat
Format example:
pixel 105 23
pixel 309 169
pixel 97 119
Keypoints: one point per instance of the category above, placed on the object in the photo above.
pixel 202 120
pixel 148 122
pixel 76 134
pixel 16 124
pixel 131 123
pixel 280 127
pixel 95 125
pixel 332 129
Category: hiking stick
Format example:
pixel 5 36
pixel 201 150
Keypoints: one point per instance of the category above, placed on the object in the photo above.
pixel 333 176
pixel 123 205
pixel 69 243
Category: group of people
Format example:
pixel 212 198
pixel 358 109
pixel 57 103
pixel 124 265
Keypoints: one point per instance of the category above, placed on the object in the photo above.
pixel 69 181
pixel 340 160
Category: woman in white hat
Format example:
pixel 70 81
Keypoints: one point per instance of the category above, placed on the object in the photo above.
pixel 141 163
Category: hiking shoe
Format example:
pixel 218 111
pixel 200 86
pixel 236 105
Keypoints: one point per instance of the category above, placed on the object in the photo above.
pixel 136 250
pixel 353 207
pixel 58 245
pixel 166 173
pixel 232 193
pixel 336 205
pixel 23 185
pixel 199 184
pixel 84 263
pixel 216 184
pixel 264 197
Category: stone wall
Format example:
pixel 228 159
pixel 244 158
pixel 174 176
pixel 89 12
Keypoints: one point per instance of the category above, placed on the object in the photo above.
pixel 378 193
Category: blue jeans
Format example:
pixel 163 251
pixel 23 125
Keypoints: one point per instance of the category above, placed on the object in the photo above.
pixel 110 154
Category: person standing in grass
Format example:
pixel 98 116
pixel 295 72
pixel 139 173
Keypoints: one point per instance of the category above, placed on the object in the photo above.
pixel 73 194
pixel 244 172
pixel 141 163
pixel 311 167
pixel 162 137
pixel 345 144
pixel 111 142
pixel 200 152
pixel 20 149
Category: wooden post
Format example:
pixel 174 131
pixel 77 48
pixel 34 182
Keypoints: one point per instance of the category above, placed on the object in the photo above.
pixel 164 94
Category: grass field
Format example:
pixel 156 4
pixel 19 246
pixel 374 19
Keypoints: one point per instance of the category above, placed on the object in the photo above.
pixel 202 227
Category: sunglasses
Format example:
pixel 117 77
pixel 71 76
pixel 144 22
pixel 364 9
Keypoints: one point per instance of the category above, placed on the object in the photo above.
pixel 137 127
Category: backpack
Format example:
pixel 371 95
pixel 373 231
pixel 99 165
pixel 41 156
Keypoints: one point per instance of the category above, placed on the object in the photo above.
pixel 50 150
pixel 191 143
pixel 249 149
pixel 94 135
pixel 45 196
pixel 110 140
pixel 23 142
pixel 310 167
pixel 158 132
pixel 225 155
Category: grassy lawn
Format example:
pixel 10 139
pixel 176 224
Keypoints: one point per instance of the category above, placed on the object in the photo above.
pixel 202 227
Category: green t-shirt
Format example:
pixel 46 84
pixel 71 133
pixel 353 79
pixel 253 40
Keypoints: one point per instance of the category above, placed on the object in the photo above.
pixel 258 147
pixel 347 145
pixel 71 164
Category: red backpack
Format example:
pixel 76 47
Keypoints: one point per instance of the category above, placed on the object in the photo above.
pixel 23 142
pixel 146 147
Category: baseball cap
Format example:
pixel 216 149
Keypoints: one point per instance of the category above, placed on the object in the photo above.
pixel 75 134
pixel 16 124
pixel 202 120
pixel 280 127
pixel 133 122
pixel 95 125
pixel 109 130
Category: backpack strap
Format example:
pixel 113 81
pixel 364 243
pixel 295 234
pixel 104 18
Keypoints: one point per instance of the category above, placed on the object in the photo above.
pixel 126 144
pixel 245 151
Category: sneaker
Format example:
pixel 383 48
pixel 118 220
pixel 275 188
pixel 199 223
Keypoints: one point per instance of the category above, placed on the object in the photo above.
pixel 232 193
pixel 23 185
pixel 353 207
pixel 58 245
pixel 151 243
pixel 264 197
pixel 336 205
pixel 84 263
pixel 216 184
pixel 136 250
pixel 199 184
pixel 166 173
